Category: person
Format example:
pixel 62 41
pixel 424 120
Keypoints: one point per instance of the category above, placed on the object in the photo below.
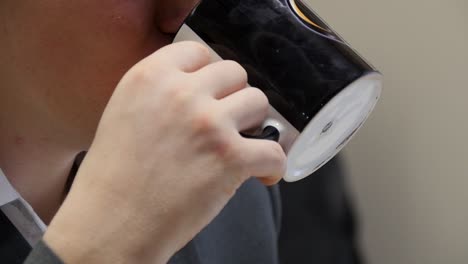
pixel 160 125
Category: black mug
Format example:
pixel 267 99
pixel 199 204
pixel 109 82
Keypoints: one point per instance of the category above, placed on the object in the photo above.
pixel 320 90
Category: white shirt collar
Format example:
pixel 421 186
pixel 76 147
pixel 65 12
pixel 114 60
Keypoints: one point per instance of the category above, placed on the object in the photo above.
pixel 19 212
pixel 7 192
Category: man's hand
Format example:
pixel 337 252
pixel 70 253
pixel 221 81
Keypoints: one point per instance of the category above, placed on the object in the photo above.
pixel 166 159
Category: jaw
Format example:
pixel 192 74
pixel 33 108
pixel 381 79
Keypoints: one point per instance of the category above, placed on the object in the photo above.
pixel 170 14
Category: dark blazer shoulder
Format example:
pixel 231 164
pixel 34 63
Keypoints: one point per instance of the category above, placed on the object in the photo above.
pixel 42 254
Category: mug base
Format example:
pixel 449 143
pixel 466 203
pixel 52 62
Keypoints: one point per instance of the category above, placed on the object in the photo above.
pixel 333 126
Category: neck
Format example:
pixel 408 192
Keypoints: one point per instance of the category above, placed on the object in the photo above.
pixel 34 160
pixel 37 170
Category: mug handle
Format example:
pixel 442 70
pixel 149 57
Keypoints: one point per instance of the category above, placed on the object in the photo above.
pixel 268 133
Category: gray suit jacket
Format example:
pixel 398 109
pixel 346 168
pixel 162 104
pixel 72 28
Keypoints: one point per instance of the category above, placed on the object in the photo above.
pixel 245 232
pixel 317 226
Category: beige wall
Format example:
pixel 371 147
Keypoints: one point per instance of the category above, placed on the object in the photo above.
pixel 409 164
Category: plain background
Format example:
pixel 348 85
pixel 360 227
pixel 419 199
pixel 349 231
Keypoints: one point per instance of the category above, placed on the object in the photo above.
pixel 409 164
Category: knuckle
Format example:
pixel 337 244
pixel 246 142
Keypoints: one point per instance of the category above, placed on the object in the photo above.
pixel 236 69
pixel 139 76
pixel 180 95
pixel 259 96
pixel 205 124
pixel 198 48
pixel 237 158
pixel 228 153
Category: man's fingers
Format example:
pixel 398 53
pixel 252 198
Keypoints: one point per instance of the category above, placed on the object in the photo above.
pixel 264 158
pixel 270 181
pixel 187 56
pixel 222 78
pixel 248 108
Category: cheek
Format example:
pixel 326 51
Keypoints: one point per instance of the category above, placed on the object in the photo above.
pixel 73 53
pixel 101 31
pixel 82 48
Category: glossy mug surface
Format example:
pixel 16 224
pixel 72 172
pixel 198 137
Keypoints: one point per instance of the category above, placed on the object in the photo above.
pixel 320 90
